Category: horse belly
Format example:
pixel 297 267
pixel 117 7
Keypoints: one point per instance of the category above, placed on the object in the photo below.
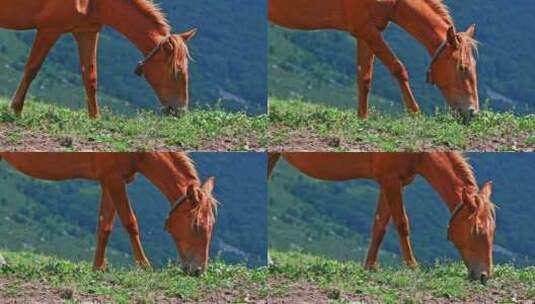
pixel 57 14
pixel 20 14
pixel 52 166
pixel 332 166
pixel 307 14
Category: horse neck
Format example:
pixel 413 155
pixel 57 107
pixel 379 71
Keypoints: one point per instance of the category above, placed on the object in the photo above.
pixel 420 21
pixel 446 177
pixel 170 173
pixel 134 24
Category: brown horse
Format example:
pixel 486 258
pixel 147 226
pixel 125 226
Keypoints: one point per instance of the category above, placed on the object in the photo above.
pixel 452 68
pixel 472 222
pixel 165 65
pixel 189 222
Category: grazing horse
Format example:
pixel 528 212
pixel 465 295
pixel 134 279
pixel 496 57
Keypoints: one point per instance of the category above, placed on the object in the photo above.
pixel 452 68
pixel 166 56
pixel 472 223
pixel 190 220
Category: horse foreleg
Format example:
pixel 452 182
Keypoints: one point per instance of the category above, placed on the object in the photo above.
pixel 380 224
pixel 273 158
pixel 87 50
pixel 392 188
pixel 365 59
pixel 44 40
pixel 382 50
pixel 116 188
pixel 105 227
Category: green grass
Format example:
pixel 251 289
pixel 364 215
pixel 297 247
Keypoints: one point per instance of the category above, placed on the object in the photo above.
pixel 130 285
pixel 489 131
pixel 402 285
pixel 197 130
pixel 446 282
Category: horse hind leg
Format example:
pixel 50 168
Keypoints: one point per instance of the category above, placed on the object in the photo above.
pixel 380 224
pixel 87 42
pixel 105 227
pixel 392 189
pixel 116 188
pixel 365 59
pixel 44 40
pixel 273 158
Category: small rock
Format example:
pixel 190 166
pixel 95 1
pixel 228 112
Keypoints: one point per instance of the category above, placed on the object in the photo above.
pixel 66 294
pixel 333 294
pixel 66 141
pixel 333 142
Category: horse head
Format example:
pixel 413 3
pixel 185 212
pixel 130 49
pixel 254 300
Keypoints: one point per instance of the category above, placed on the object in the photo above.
pixel 471 230
pixel 170 55
pixel 190 223
pixel 453 71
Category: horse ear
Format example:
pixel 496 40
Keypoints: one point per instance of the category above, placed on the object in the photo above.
pixel 209 185
pixel 82 7
pixel 486 190
pixel 471 30
pixel 453 40
pixel 186 36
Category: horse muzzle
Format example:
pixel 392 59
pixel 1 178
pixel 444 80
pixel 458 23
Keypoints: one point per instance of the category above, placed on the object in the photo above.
pixel 193 270
pixel 466 115
pixel 479 272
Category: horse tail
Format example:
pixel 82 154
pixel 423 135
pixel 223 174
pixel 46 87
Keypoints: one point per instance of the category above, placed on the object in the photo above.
pixel 273 158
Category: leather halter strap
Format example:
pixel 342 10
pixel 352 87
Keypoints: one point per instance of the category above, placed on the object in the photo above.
pixel 179 201
pixel 435 57
pixel 139 67
pixel 454 214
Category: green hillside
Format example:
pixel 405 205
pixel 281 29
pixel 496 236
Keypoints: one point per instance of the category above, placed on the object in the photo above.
pixel 334 219
pixel 228 57
pixel 320 66
pixel 59 218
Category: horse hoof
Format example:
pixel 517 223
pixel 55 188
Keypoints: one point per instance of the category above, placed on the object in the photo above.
pixel 371 267
pixel 3 262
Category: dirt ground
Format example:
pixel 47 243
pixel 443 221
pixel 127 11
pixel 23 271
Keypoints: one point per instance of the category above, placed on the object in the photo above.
pixel 13 138
pixel 308 140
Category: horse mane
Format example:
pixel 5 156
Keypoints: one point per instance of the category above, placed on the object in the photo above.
pixel 180 54
pixel 463 169
pixel 153 11
pixel 207 202
pixel 467 44
pixel 441 9
pixel 466 172
pixel 179 58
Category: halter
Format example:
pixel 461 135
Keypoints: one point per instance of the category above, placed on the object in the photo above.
pixel 435 57
pixel 454 214
pixel 177 204
pixel 139 67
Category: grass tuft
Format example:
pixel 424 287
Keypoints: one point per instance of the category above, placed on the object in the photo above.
pixel 489 131
pixel 131 285
pixel 197 130
pixel 443 282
